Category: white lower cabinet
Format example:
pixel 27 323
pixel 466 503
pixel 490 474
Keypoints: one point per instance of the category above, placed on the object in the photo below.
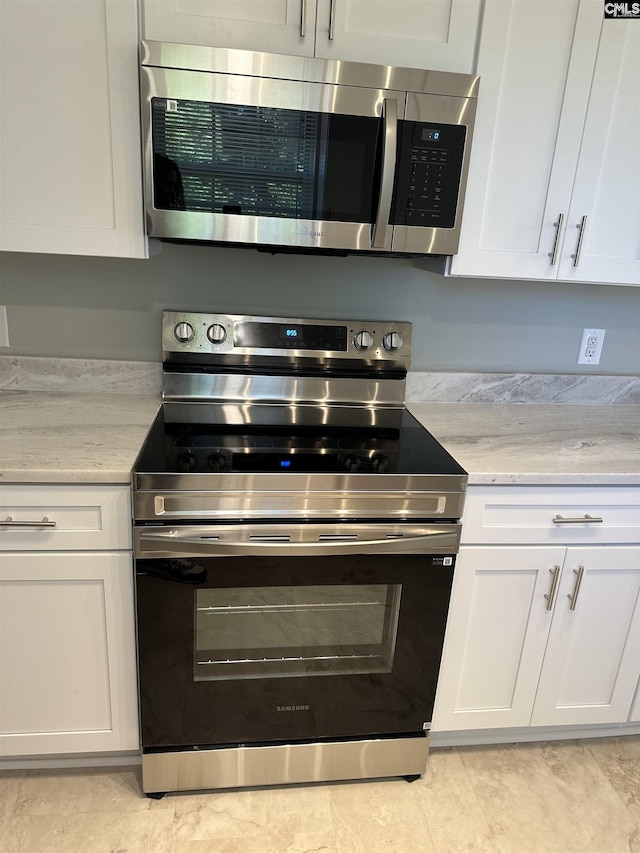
pixel 592 662
pixel 496 637
pixel 543 635
pixel 634 716
pixel 67 637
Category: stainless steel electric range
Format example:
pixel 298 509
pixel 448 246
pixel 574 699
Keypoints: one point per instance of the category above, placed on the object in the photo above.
pixel 296 531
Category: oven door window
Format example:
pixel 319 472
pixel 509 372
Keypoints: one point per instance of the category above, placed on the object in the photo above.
pixel 292 631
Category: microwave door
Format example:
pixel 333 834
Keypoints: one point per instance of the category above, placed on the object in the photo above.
pixel 431 174
pixel 269 162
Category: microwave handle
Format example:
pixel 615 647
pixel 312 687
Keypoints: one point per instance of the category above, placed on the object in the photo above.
pixel 389 150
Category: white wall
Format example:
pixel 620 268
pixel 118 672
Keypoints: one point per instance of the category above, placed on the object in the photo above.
pixel 109 308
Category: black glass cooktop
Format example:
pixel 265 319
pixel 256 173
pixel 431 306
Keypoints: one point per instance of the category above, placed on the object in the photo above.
pixel 215 447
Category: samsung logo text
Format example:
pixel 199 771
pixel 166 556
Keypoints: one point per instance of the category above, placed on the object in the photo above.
pixel 292 707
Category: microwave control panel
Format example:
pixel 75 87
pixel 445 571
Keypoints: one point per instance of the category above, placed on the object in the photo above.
pixel 428 177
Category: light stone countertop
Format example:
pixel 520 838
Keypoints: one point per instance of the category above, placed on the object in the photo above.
pixel 504 443
pixel 57 437
pixel 72 438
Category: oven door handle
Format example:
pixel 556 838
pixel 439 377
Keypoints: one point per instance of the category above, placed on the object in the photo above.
pixel 212 546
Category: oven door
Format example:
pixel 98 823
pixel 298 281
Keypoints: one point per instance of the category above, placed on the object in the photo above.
pixel 230 158
pixel 283 646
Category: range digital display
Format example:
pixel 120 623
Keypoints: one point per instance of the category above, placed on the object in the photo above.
pixel 290 336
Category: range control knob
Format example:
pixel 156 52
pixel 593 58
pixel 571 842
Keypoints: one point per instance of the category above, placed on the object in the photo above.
pixel 379 463
pixel 185 461
pixel 392 341
pixel 363 341
pixel 352 463
pixel 184 333
pixel 217 462
pixel 217 334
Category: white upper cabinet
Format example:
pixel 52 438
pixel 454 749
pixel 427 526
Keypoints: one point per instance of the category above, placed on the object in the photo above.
pixel 278 26
pixel 438 34
pixel 556 150
pixel 70 165
pixel 606 192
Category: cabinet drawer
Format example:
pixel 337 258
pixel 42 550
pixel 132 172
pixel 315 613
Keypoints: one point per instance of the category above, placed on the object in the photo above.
pixel 551 515
pixel 79 518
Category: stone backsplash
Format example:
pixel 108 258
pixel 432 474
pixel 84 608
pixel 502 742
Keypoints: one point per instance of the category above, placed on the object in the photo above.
pixel 25 373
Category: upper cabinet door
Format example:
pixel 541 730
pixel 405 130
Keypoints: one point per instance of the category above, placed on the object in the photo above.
pixel 604 216
pixel 535 62
pixel 276 26
pixel 438 34
pixel 70 166
pixel 434 34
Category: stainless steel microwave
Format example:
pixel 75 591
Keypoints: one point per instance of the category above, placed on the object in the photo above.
pixel 288 153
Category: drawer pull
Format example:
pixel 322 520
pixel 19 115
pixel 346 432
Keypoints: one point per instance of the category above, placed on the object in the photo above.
pixel 11 522
pixel 555 571
pixel 303 18
pixel 586 519
pixel 579 572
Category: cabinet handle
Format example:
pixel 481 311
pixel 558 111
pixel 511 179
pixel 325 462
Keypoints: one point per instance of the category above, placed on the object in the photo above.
pixel 555 571
pixel 556 243
pixel 579 572
pixel 576 257
pixel 332 20
pixel 10 522
pixel 586 519
pixel 303 18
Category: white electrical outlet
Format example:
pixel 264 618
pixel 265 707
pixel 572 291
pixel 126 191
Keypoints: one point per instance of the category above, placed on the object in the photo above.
pixel 4 328
pixel 591 346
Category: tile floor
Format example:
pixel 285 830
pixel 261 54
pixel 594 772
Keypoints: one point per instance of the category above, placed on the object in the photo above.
pixel 550 797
